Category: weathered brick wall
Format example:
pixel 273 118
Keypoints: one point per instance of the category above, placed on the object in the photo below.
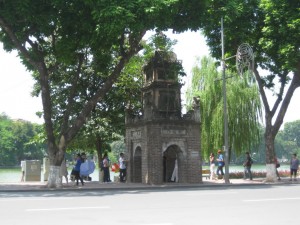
pixel 152 139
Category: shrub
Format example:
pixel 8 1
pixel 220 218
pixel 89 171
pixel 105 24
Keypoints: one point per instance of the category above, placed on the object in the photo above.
pixel 257 174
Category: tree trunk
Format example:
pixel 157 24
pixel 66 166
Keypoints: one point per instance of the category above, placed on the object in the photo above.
pixel 270 149
pixel 54 181
pixel 272 130
pixel 56 156
pixel 270 156
pixel 271 172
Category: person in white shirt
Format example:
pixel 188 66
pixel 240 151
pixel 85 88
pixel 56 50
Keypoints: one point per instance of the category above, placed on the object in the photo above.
pixel 23 171
pixel 122 165
pixel 174 177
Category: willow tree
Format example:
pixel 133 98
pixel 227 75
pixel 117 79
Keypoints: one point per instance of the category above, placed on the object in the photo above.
pixel 272 29
pixel 244 108
pixel 91 41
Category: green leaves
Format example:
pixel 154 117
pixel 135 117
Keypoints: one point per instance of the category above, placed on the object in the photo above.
pixel 244 108
pixel 77 50
pixel 16 141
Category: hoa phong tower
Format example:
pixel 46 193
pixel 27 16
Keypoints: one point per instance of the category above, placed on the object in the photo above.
pixel 162 143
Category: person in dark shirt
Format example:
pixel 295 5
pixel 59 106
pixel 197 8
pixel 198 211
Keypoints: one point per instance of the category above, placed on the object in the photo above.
pixel 76 169
pixel 247 166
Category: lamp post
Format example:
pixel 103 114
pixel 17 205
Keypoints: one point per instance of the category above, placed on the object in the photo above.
pixel 225 108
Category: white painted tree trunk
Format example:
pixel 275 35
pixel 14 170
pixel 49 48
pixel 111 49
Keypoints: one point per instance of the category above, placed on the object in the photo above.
pixel 271 172
pixel 54 181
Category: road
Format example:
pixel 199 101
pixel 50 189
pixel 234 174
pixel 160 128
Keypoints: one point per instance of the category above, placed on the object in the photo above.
pixel 248 205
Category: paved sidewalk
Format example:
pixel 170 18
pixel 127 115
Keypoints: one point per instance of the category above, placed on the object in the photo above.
pixel 96 185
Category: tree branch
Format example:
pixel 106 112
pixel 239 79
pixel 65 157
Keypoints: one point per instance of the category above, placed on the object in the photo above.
pixel 286 101
pixel 70 100
pixel 262 91
pixel 41 67
pixel 85 113
pixel 279 97
pixel 18 44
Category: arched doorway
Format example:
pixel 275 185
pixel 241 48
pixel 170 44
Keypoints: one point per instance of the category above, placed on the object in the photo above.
pixel 172 161
pixel 137 166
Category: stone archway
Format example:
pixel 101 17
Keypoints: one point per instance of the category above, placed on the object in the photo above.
pixel 170 155
pixel 137 166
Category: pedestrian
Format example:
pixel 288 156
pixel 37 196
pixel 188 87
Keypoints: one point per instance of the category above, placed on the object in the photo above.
pixel 174 177
pixel 76 169
pixel 22 171
pixel 212 166
pixel 247 166
pixel 63 172
pixel 105 163
pixel 221 164
pixel 122 166
pixel 277 165
pixel 87 168
pixel 294 166
pixel 83 167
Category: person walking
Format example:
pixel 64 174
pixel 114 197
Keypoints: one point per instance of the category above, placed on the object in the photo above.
pixel 221 164
pixel 294 166
pixel 212 166
pixel 122 166
pixel 22 171
pixel 105 163
pixel 76 169
pixel 277 165
pixel 247 166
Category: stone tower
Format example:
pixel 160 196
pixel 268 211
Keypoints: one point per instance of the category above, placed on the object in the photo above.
pixel 161 142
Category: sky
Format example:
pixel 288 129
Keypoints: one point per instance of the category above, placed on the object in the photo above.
pixel 16 83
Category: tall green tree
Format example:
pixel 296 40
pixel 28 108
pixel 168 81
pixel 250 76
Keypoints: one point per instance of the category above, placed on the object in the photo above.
pixel 16 141
pixel 6 140
pixel 289 138
pixel 291 132
pixel 272 28
pixel 244 108
pixel 91 41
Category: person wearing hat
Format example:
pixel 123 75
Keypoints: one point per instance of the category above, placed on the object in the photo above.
pixel 221 163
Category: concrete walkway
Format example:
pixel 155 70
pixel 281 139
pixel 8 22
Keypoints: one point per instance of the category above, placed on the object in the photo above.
pixel 96 185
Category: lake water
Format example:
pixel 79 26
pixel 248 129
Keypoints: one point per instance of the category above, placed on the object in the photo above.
pixel 14 175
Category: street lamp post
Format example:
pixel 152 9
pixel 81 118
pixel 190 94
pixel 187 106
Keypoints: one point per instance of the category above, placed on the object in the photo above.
pixel 225 108
pixel 244 59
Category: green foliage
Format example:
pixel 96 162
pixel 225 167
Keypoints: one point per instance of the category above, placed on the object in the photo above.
pixel 118 147
pixel 107 119
pixel 16 141
pixel 271 28
pixel 289 138
pixel 77 50
pixel 243 108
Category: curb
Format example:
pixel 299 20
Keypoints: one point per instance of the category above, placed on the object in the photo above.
pixel 96 186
